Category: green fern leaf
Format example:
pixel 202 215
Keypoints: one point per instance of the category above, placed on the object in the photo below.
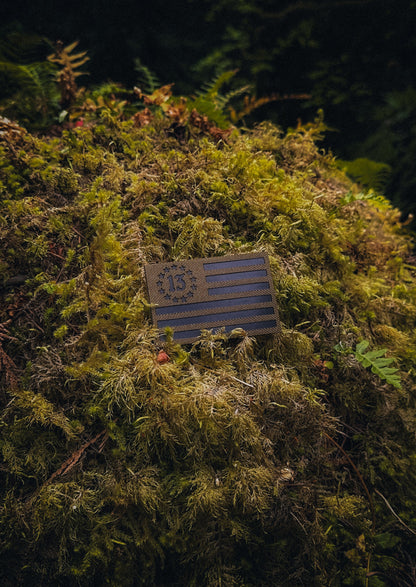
pixel 211 89
pixel 224 100
pixel 29 92
pixel 370 174
pixel 147 80
pixel 378 363
pixel 20 47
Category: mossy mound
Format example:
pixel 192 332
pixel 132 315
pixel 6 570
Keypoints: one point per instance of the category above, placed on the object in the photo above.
pixel 240 461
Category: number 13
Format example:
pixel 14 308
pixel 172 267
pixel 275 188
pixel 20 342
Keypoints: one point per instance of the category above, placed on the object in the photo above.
pixel 180 282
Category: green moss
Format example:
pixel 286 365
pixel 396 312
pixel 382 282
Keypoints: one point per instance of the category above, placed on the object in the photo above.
pixel 239 461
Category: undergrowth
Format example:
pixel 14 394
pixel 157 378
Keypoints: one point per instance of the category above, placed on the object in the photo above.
pixel 234 461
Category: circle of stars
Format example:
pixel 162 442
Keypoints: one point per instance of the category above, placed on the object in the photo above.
pixel 163 284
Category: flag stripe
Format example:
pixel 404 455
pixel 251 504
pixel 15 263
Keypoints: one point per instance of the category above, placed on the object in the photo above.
pixel 236 276
pixel 199 306
pixel 234 263
pixel 247 326
pixel 230 289
pixel 222 316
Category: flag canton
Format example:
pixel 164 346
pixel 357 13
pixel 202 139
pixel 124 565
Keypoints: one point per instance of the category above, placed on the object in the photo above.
pixel 176 283
pixel 219 292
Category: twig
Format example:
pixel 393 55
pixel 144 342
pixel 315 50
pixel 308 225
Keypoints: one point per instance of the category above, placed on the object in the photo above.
pixel 56 255
pixel 240 381
pixel 220 374
pixel 394 513
pixel 360 477
pixel 75 457
pixel 77 231
pixel 370 499
pixel 6 363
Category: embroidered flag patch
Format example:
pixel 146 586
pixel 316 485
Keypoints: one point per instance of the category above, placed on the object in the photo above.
pixel 214 293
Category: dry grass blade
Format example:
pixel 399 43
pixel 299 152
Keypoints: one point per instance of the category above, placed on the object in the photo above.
pixel 75 457
pixel 393 512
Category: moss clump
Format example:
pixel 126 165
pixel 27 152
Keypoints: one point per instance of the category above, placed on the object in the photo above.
pixel 237 461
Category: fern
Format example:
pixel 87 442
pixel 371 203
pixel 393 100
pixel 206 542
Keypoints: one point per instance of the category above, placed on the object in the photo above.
pixel 19 47
pixel 32 78
pixel 147 80
pixel 211 89
pixel 63 56
pixel 378 363
pixel 373 198
pixel 210 98
pixel 368 173
pixel 31 92
pixel 70 63
pixel 210 102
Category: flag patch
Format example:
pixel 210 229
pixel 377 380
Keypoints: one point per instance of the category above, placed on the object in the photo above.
pixel 215 293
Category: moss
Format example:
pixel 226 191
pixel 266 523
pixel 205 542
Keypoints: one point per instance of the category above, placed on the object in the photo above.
pixel 238 461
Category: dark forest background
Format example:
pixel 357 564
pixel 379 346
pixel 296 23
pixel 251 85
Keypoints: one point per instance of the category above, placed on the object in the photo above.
pixel 354 59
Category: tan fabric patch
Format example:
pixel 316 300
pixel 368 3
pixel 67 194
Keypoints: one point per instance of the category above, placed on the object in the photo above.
pixel 213 293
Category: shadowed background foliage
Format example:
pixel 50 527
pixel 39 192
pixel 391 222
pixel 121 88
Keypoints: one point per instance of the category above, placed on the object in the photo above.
pixel 353 58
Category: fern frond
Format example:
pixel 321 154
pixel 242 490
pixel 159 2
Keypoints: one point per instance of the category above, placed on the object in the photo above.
pixel 224 100
pixel 252 103
pixel 62 56
pixel 69 48
pixel 378 363
pixel 31 77
pixel 147 80
pixel 368 173
pixel 28 91
pixel 69 62
pixel 18 47
pixel 212 88
pixel 210 102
